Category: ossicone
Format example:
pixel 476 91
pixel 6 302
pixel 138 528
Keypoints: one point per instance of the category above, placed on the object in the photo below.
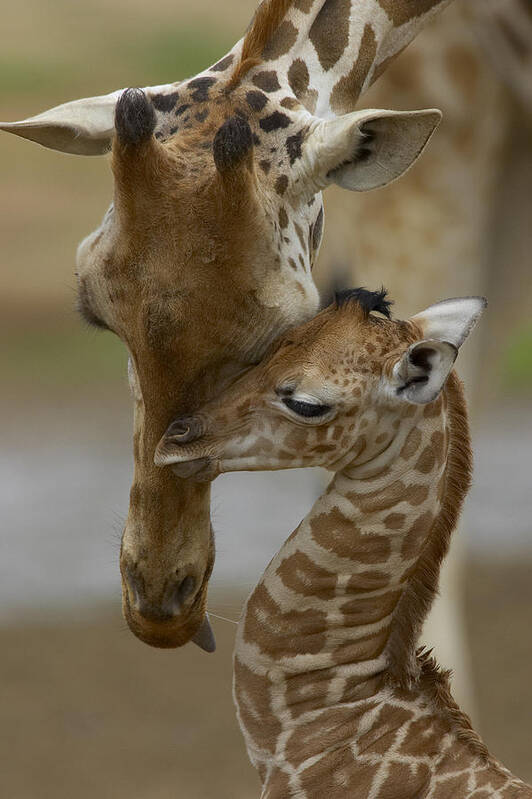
pixel 232 144
pixel 134 118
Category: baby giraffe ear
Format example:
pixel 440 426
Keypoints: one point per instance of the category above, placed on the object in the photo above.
pixel 367 149
pixel 420 374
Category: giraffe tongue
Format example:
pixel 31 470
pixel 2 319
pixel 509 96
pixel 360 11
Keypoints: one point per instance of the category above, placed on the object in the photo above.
pixel 204 638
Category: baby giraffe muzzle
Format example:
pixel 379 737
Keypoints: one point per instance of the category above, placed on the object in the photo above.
pixel 182 433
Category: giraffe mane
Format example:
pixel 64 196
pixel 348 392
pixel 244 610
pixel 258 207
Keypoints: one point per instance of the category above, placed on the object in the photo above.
pixel 406 663
pixel 422 587
pixel 437 682
pixel 264 25
pixel 368 300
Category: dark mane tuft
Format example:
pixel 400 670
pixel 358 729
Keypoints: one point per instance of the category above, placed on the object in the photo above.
pixel 368 300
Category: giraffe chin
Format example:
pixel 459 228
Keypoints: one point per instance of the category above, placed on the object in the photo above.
pixel 203 470
pixel 170 633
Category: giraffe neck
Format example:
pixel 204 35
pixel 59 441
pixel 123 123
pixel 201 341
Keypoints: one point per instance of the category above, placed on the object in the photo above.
pixel 328 53
pixel 314 666
pixel 327 599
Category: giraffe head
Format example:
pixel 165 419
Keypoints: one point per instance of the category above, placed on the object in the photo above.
pixel 332 392
pixel 203 258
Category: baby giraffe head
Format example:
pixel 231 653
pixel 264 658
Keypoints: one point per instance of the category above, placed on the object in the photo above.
pixel 330 393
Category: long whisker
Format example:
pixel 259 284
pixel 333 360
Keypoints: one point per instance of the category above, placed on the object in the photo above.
pixel 221 617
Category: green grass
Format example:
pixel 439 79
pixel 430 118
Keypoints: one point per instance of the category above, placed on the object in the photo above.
pixel 517 361
pixel 168 56
pixel 157 57
pixel 23 78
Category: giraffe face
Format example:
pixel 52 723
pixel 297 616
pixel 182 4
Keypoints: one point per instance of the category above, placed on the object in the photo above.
pixel 307 404
pixel 205 253
pixel 333 393
pixel 193 268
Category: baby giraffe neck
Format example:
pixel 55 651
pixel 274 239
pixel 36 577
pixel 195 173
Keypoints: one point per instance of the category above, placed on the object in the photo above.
pixel 328 598
pixel 330 632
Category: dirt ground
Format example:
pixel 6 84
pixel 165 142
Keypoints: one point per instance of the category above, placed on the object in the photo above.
pixel 88 711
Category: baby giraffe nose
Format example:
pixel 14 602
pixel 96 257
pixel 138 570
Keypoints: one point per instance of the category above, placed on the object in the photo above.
pixel 184 430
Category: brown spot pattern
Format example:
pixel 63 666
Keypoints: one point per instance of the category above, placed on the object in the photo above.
pixel 422 739
pixel 282 40
pixel 357 651
pixel 323 774
pixel 255 706
pixel 335 533
pixel 426 461
pixel 274 121
pixel 368 610
pixel 323 732
pixel 303 576
pixel 280 634
pixel 329 32
pixel 301 237
pixel 223 64
pixel 303 5
pixel 367 581
pixel 347 90
pixel 317 230
pixel 394 521
pixel 281 184
pixel 401 11
pixel 298 77
pixel 256 100
pixel 290 103
pixel 415 536
pixel 267 81
pixel 413 781
pixel 411 445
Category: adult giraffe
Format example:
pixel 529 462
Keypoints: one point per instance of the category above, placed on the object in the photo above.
pixel 206 254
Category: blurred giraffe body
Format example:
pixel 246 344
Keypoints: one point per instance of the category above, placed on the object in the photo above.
pixel 332 698
pixel 450 225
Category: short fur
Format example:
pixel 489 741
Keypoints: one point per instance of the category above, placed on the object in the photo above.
pixel 232 143
pixel 267 19
pixel 134 117
pixel 437 681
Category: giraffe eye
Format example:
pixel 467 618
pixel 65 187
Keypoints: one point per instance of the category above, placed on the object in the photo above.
pixel 306 409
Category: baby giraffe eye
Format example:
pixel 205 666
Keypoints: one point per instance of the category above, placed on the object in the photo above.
pixel 307 409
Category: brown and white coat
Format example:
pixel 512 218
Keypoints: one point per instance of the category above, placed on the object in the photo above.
pixel 332 697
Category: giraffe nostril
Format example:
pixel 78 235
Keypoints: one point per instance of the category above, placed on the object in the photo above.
pixel 180 431
pixel 182 590
pixel 183 430
pixel 185 588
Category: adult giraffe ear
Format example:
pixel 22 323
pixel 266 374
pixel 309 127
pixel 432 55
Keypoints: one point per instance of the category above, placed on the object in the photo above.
pixel 367 149
pixel 420 374
pixel 81 127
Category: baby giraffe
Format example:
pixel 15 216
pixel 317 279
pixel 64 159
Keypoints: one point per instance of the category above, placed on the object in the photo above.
pixel 333 699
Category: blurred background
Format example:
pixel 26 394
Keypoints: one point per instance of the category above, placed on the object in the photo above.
pixel 85 709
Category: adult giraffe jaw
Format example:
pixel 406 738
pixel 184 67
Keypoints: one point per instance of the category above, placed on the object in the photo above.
pixel 205 255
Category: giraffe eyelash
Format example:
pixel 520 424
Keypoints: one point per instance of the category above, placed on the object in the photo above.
pixel 306 409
